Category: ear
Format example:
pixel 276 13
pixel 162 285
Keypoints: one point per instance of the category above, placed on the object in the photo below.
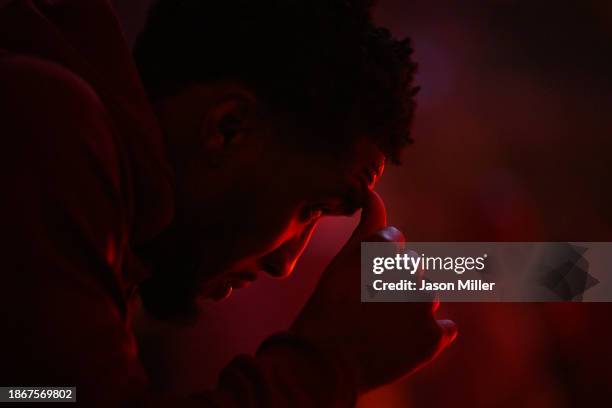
pixel 229 118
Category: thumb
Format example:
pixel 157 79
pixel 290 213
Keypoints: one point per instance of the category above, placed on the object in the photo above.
pixel 373 217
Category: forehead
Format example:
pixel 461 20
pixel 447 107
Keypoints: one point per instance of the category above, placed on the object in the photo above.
pixel 345 156
pixel 361 164
pixel 321 166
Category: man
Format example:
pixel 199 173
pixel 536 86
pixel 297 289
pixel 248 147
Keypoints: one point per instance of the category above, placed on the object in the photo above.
pixel 256 119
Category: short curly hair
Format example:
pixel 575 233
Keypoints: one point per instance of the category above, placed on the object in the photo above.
pixel 322 61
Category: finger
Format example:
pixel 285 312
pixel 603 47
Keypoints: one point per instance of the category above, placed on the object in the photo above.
pixel 373 216
pixel 445 333
pixel 433 340
pixel 449 331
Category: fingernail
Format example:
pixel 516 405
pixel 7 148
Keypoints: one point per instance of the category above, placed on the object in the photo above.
pixel 450 329
pixel 392 234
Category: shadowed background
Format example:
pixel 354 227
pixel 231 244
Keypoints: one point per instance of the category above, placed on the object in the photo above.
pixel 512 135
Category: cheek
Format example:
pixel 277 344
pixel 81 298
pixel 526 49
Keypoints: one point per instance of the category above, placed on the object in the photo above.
pixel 245 240
pixel 259 213
pixel 270 216
pixel 190 187
pixel 268 231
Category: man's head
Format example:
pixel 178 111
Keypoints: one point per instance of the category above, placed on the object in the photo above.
pixel 275 113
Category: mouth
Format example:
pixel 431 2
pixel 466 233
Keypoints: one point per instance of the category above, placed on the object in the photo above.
pixel 236 281
pixel 221 292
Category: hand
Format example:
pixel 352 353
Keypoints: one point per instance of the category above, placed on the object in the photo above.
pixel 382 342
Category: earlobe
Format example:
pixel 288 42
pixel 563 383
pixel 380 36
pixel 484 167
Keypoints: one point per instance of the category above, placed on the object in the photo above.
pixel 229 127
pixel 213 140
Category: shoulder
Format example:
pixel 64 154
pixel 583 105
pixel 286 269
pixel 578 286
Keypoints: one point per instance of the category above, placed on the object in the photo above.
pixel 51 115
pixel 59 160
pixel 44 83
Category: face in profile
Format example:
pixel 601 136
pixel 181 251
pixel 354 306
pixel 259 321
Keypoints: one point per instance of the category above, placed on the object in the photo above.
pixel 271 205
pixel 267 109
pixel 248 196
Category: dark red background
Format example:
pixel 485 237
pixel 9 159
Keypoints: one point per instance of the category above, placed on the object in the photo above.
pixel 513 136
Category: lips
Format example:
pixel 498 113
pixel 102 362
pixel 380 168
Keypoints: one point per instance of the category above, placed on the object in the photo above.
pixel 221 292
pixel 246 276
pixel 237 281
pixel 242 279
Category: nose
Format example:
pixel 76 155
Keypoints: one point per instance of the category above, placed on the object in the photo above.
pixel 280 263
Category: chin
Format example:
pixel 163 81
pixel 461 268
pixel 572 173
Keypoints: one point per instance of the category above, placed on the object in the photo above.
pixel 171 300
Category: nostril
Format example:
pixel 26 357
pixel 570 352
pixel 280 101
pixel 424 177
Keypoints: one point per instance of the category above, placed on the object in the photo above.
pixel 271 270
pixel 275 270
